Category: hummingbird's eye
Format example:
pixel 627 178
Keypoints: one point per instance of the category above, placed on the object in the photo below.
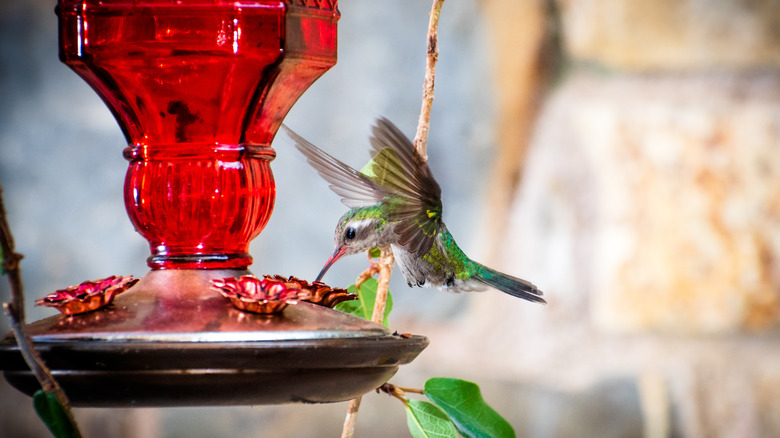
pixel 349 233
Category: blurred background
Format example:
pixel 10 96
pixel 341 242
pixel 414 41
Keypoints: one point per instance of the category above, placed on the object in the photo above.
pixel 622 155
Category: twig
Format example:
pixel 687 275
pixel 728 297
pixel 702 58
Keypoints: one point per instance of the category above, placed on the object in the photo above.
pixel 373 269
pixel 386 260
pixel 15 311
pixel 348 431
pixel 398 391
pixel 395 391
pixel 384 266
pixel 421 138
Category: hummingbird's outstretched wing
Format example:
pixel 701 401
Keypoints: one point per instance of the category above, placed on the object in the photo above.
pixel 354 188
pixel 401 171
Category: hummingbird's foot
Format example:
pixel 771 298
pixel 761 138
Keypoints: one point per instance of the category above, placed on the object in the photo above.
pixel 450 280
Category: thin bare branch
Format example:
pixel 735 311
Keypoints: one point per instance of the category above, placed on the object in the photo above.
pixel 386 260
pixel 348 431
pixel 15 311
pixel 421 138
pixel 384 267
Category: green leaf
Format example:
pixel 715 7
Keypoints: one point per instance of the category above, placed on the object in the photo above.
pixel 364 305
pixel 425 420
pixel 463 403
pixel 384 167
pixel 375 253
pixel 53 415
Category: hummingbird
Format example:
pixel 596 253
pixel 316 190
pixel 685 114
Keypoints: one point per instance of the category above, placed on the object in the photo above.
pixel 395 201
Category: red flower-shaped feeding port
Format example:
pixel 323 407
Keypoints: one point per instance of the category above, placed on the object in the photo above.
pixel 318 292
pixel 87 296
pixel 272 293
pixel 249 293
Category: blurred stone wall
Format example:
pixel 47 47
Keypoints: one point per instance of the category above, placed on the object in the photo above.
pixel 621 154
pixel 648 213
pixel 62 170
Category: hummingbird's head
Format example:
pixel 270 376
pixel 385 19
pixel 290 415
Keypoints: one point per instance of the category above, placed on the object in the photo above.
pixel 359 230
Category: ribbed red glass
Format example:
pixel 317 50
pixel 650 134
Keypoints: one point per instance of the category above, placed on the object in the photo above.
pixel 199 88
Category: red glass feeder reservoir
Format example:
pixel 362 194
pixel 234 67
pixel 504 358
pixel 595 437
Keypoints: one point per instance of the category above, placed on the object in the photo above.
pixel 199 88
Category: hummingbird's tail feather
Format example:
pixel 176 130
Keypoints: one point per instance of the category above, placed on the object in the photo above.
pixel 511 285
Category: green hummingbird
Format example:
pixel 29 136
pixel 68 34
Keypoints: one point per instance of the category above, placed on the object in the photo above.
pixel 395 200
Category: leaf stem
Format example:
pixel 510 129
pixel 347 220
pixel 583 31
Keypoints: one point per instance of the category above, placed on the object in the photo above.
pixel 412 390
pixel 396 390
pixel 15 311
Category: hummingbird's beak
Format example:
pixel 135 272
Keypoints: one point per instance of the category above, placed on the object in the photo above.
pixel 336 255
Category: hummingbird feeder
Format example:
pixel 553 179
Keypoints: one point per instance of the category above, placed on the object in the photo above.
pixel 199 89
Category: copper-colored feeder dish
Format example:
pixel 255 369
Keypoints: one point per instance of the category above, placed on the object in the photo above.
pixel 170 340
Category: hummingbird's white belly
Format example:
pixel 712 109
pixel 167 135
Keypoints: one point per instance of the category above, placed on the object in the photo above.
pixel 422 274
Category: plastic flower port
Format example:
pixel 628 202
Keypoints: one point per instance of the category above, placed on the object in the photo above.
pixel 317 292
pixel 87 296
pixel 249 293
